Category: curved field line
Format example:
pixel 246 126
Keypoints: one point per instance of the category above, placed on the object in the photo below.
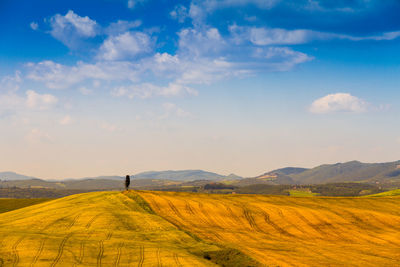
pixel 176 259
pixel 82 250
pixel 109 235
pixel 38 253
pixel 118 259
pixel 61 249
pixel 15 251
pixel 73 221
pixel 101 252
pixel 92 220
pixel 158 258
pixel 141 255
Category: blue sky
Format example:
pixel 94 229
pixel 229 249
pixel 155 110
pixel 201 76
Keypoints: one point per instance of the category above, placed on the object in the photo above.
pixel 112 87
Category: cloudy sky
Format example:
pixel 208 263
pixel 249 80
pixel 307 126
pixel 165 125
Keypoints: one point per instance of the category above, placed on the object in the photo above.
pixel 233 86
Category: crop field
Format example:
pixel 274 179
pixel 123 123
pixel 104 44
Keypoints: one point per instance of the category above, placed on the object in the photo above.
pixel 95 229
pixel 144 228
pixel 291 231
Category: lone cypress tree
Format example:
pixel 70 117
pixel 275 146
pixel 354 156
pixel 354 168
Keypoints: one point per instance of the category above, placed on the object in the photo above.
pixel 127 182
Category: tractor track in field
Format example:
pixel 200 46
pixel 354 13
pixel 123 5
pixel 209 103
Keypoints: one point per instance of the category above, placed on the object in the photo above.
pixel 141 256
pixel 61 250
pixel 268 220
pixel 101 252
pixel 82 250
pixel 119 252
pixel 176 259
pixel 158 257
pixel 15 251
pixel 38 253
pixel 91 221
pixel 73 221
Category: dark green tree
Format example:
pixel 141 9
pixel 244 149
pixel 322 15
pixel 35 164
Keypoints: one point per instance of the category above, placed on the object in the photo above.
pixel 127 182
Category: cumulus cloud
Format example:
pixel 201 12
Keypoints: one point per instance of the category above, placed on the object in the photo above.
pixel 40 101
pixel 339 102
pixel 125 46
pixel 71 27
pixel 34 26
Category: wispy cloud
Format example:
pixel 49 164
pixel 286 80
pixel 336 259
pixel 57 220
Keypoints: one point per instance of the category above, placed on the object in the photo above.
pixel 66 120
pixel 34 26
pixel 171 109
pixel 40 101
pixel 339 102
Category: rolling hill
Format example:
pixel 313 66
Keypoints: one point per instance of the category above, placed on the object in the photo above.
pixel 185 175
pixel 98 229
pixel 353 171
pixel 148 228
pixel 291 231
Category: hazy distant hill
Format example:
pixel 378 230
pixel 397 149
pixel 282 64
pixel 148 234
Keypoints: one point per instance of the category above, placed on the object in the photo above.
pixel 185 175
pixel 14 176
pixel 353 171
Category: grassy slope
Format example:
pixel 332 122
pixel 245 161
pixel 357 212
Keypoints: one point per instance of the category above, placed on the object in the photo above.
pixel 390 193
pixel 284 231
pixel 102 228
pixel 9 204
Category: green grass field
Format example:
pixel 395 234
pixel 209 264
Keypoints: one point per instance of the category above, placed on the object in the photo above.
pixel 302 193
pixel 390 193
pixel 144 228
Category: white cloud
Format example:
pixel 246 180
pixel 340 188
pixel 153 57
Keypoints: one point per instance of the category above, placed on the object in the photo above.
pixel 125 46
pixel 147 90
pixel 66 120
pixel 34 26
pixel 172 109
pixel 85 91
pixel 70 28
pixel 133 3
pixel 180 13
pixel 58 76
pixel 40 101
pixel 121 26
pixel 262 36
pixel 339 102
pixel 109 127
pixel 38 136
pixel 11 83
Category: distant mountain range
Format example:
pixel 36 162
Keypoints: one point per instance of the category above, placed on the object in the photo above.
pixel 353 171
pixel 141 180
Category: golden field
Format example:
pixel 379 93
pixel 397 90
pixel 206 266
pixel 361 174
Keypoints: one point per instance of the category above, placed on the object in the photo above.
pixel 95 229
pixel 291 231
pixel 144 228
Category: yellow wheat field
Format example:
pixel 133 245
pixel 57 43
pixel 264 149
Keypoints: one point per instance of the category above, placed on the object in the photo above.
pixel 94 229
pixel 290 231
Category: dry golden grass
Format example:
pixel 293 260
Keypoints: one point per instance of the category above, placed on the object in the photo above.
pixel 291 231
pixel 95 229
